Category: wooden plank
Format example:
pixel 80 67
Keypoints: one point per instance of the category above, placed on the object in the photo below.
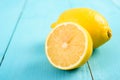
pixel 104 63
pixel 25 58
pixel 8 17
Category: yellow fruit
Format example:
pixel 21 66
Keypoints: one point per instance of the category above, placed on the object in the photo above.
pixel 91 20
pixel 68 46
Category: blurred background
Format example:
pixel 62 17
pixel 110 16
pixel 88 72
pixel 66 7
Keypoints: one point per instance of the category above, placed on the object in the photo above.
pixel 24 26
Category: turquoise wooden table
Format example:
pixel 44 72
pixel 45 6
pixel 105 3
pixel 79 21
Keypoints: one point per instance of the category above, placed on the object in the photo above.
pixel 24 25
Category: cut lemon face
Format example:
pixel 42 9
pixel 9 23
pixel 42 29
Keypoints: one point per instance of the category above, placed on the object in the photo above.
pixel 68 46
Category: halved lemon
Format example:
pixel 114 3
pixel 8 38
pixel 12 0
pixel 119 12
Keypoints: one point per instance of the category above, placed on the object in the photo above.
pixel 68 46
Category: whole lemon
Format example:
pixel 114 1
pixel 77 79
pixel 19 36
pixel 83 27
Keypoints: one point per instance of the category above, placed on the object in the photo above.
pixel 91 20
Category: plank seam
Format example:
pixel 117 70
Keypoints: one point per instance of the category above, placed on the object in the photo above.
pixel 90 71
pixel 13 32
pixel 116 5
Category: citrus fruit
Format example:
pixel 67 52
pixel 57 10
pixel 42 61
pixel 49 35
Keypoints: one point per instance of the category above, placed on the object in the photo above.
pixel 68 46
pixel 91 20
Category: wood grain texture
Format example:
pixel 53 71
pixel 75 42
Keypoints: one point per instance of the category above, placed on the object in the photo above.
pixel 25 58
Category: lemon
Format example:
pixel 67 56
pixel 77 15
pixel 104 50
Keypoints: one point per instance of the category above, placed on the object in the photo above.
pixel 91 20
pixel 68 46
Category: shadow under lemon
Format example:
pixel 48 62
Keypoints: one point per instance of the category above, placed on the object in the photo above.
pixel 40 68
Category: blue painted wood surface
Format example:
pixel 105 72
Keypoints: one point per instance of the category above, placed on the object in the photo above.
pixel 9 13
pixel 25 56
